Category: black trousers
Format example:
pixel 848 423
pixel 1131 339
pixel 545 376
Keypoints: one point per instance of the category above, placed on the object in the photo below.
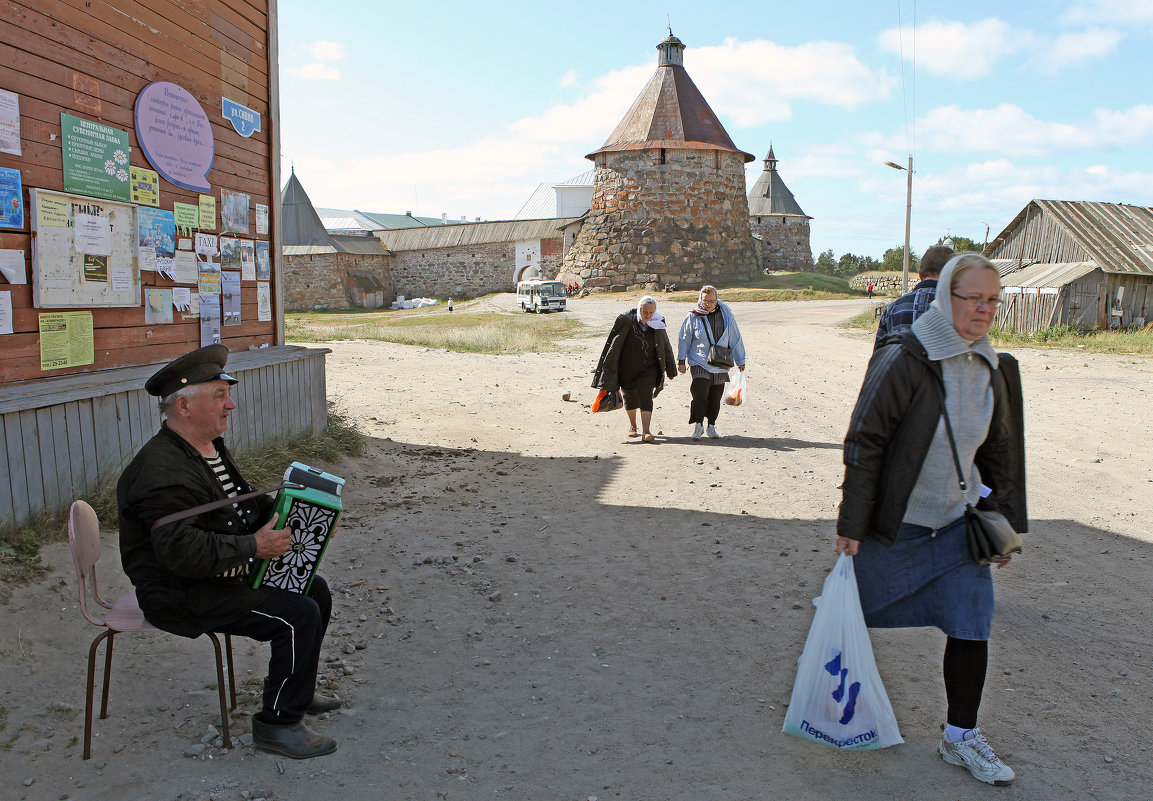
pixel 706 400
pixel 294 625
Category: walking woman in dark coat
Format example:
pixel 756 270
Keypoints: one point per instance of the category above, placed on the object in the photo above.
pixel 636 358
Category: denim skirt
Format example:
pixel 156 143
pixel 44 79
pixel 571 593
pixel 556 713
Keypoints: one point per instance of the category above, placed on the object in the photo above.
pixel 926 579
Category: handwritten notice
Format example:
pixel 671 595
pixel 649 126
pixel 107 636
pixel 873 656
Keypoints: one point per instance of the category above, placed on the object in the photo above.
pixel 187 217
pixel 208 212
pixel 65 340
pixel 175 134
pixel 53 212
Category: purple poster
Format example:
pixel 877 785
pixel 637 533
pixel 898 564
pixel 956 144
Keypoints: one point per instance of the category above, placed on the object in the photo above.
pixel 175 135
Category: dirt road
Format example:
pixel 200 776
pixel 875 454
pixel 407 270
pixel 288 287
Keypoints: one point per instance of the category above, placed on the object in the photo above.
pixel 533 606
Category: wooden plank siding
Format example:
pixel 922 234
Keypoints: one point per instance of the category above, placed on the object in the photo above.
pixel 91 60
pixel 53 453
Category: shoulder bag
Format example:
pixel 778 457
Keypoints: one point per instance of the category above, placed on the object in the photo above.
pixel 719 355
pixel 991 537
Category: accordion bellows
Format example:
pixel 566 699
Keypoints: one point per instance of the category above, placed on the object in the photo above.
pixel 311 512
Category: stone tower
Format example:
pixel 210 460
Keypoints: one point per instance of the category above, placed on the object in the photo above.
pixel 781 228
pixel 668 200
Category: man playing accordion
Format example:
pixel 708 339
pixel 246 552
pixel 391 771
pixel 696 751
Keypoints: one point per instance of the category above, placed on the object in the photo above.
pixel 192 575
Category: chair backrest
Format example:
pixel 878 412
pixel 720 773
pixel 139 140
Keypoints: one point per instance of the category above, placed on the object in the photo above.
pixel 84 540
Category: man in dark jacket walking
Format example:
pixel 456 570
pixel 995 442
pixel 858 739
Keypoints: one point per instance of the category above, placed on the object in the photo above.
pixel 903 311
pixel 193 575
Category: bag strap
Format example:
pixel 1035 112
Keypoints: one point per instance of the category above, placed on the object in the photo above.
pixel 949 430
pixel 208 507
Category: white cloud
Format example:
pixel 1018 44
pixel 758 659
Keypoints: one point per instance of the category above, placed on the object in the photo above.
pixel 319 72
pixel 1009 130
pixel 570 78
pixel 965 51
pixel 755 82
pixel 1097 12
pixel 327 51
pixel 1075 49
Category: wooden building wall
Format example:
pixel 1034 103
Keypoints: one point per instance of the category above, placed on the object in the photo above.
pixel 91 60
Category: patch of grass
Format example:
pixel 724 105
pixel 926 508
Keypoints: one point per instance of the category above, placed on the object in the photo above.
pixel 486 332
pixel 779 286
pixel 62 711
pixel 1135 342
pixel 263 467
pixel 3 717
pixel 867 320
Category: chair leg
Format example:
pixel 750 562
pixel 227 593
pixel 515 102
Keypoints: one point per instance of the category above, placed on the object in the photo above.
pixel 107 673
pixel 231 671
pixel 220 690
pixel 89 689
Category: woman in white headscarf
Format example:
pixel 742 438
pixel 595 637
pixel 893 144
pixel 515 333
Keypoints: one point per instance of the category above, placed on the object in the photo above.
pixel 635 359
pixel 903 503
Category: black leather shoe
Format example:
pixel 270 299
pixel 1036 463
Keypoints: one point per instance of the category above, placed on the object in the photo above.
pixel 320 705
pixel 295 740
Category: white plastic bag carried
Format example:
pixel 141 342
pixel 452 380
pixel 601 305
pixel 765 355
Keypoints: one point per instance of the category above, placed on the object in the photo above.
pixel 735 395
pixel 838 698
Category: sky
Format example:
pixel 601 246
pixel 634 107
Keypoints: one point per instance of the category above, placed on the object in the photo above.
pixel 464 108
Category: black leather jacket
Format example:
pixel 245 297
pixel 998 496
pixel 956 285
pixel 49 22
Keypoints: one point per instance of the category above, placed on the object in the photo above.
pixel 606 375
pixel 892 427
pixel 175 568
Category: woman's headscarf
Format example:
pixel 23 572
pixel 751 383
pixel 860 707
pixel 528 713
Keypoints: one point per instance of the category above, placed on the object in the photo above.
pixel 657 321
pixel 935 328
pixel 701 312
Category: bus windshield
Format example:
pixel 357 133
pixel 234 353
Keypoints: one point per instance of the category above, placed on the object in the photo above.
pixel 552 289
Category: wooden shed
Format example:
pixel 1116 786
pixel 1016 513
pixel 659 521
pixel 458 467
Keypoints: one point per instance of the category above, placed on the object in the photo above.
pixel 1079 263
pixel 139 155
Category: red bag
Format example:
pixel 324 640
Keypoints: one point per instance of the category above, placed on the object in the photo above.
pixel 608 401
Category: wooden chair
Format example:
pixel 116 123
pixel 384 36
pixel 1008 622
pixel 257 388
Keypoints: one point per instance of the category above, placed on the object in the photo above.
pixel 122 616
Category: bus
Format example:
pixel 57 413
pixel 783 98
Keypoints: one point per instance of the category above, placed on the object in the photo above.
pixel 537 295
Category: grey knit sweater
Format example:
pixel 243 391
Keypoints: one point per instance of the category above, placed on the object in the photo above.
pixel 936 499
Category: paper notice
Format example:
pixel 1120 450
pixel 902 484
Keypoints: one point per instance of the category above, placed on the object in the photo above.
pixel 53 212
pixel 121 278
pixel 12 266
pixel 146 258
pixel 263 302
pixel 5 312
pixel 206 245
pixel 92 235
pixel 186 270
pixel 65 340
pixel 167 267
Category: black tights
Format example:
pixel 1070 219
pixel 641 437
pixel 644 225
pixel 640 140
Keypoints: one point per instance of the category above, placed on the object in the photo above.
pixel 965 664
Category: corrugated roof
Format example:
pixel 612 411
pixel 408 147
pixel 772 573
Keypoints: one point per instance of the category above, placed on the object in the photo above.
pixel 1119 237
pixel 542 203
pixel 345 220
pixel 395 221
pixel 447 236
pixel 308 250
pixel 670 112
pixel 1048 275
pixel 769 194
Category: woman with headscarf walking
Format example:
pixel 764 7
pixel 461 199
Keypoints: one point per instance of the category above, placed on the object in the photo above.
pixel 708 325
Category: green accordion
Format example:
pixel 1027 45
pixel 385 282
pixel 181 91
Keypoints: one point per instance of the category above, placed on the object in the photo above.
pixel 310 510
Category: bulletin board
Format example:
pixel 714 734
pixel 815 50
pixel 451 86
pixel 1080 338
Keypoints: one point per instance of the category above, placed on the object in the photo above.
pixel 83 251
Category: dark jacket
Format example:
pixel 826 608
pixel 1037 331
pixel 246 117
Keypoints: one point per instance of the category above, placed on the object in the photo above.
pixel 175 568
pixel 892 427
pixel 606 375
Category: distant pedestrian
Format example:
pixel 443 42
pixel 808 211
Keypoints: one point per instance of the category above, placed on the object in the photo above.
pixel 450 305
pixel 907 308
pixel 870 291
pixel 636 358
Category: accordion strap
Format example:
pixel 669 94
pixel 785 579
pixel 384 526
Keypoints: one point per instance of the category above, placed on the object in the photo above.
pixel 208 507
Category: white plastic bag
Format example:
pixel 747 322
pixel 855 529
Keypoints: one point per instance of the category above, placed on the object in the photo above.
pixel 735 395
pixel 838 698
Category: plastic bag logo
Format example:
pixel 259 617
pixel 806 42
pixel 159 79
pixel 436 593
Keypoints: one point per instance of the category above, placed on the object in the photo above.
pixel 834 669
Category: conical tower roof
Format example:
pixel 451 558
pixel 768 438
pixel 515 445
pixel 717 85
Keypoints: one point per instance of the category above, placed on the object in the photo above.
pixel 300 224
pixel 670 112
pixel 769 194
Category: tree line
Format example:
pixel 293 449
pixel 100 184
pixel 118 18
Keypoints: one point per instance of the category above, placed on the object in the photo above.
pixel 893 259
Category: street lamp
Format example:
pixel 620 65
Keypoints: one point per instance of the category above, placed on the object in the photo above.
pixel 986 235
pixel 908 214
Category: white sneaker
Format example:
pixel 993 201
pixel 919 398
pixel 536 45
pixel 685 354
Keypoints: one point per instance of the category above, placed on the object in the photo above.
pixel 975 753
pixel 713 432
pixel 700 429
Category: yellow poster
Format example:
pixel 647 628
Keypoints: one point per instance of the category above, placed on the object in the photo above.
pixel 207 212
pixel 53 211
pixel 145 186
pixel 65 340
